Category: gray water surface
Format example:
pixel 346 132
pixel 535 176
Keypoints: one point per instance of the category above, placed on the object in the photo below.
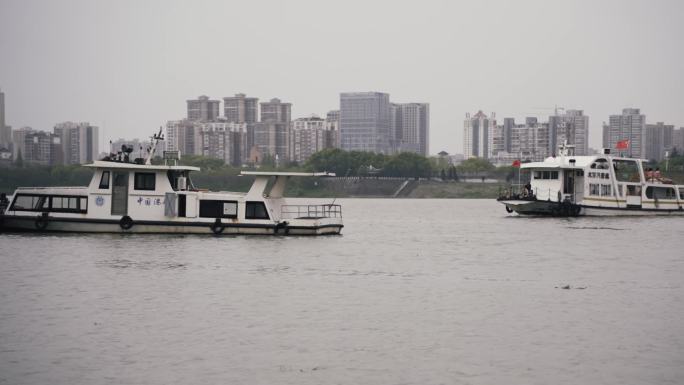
pixel 413 292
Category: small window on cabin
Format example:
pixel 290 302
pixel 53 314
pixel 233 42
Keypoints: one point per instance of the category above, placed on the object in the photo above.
pixel 593 189
pixel 217 209
pixel 606 190
pixel 626 170
pixel 255 210
pixel 28 202
pixel 600 164
pixel 633 190
pixel 104 180
pixel 554 175
pixel 546 175
pixel 144 181
pixel 660 193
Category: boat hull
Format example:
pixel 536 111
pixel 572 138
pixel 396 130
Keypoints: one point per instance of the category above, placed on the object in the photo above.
pixel 566 209
pixel 82 225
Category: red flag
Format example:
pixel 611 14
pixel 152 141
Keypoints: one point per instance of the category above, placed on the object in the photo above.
pixel 516 163
pixel 622 144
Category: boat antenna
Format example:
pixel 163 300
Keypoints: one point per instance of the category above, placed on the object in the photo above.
pixel 155 140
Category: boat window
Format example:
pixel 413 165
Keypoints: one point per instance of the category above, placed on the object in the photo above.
pixel 593 189
pixel 68 204
pixel 546 175
pixel 217 209
pixel 601 164
pixel 256 210
pixel 681 193
pixel 660 192
pixel 606 190
pixel 29 202
pixel 633 190
pixel 626 170
pixel 144 181
pixel 104 181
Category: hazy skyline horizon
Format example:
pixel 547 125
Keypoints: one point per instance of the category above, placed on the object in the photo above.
pixel 130 67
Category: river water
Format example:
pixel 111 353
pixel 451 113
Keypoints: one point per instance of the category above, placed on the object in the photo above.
pixel 413 292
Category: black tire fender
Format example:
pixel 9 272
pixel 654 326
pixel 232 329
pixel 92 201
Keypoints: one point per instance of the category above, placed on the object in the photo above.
pixel 217 227
pixel 126 222
pixel 508 209
pixel 42 221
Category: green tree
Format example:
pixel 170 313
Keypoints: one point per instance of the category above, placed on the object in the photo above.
pixel 203 162
pixel 408 164
pixel 475 166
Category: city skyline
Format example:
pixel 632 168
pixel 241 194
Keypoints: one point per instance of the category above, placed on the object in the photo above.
pixel 128 80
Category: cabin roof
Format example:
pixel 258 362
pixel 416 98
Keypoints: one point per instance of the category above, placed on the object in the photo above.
pixel 558 162
pixel 276 173
pixel 133 166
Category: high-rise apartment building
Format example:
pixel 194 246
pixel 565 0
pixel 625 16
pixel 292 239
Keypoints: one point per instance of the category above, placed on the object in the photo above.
pixel 5 130
pixel 18 141
pixel 203 109
pixel 183 136
pixel 332 125
pixel 271 139
pixel 508 125
pixel 225 141
pixel 478 133
pixel 678 140
pixel 659 139
pixel 571 127
pixel 527 142
pixel 410 127
pixel 276 111
pixel 310 135
pixel 240 109
pixel 79 141
pixel 42 148
pixel 631 126
pixel 365 122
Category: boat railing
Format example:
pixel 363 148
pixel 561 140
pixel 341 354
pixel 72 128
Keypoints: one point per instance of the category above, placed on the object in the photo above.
pixel 517 192
pixel 311 211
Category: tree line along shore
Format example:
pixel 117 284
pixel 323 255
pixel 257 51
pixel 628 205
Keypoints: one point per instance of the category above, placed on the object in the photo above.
pixel 359 174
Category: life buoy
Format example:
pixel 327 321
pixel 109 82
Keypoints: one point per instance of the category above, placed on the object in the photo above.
pixel 217 227
pixel 41 221
pixel 281 225
pixel 126 222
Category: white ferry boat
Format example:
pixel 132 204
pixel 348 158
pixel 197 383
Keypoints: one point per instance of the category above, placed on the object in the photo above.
pixel 138 197
pixel 601 185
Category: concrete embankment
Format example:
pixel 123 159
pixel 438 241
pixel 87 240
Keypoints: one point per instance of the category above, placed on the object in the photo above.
pixel 403 188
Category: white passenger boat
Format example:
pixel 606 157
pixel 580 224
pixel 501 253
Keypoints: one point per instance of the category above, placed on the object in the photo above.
pixel 602 185
pixel 138 197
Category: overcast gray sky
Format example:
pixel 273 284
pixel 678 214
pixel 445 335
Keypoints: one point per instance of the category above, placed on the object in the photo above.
pixel 129 66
